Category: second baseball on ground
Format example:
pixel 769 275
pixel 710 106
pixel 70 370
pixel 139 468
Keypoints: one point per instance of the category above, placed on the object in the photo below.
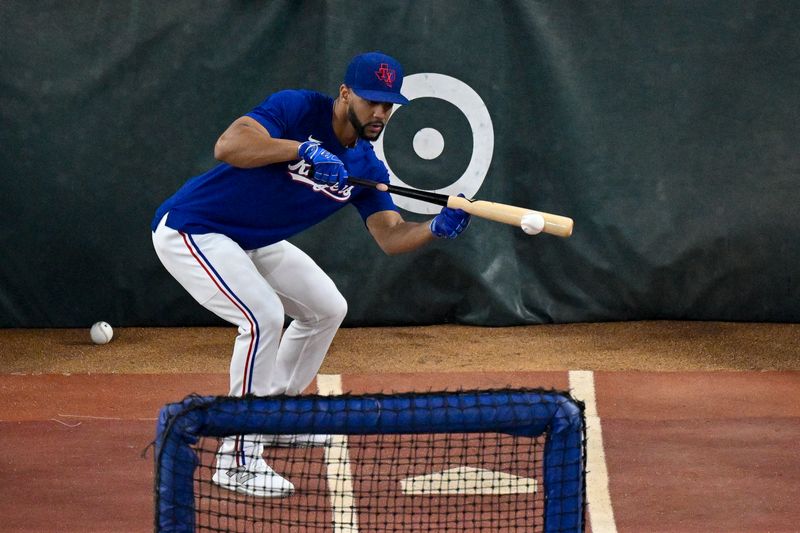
pixel 101 333
pixel 532 223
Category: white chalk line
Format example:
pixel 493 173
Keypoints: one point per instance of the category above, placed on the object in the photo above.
pixel 91 417
pixel 65 424
pixel 339 472
pixel 601 512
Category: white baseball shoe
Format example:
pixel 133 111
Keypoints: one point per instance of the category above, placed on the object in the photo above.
pixel 256 479
pixel 304 440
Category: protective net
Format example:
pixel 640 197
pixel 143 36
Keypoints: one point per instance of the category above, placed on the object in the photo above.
pixel 466 461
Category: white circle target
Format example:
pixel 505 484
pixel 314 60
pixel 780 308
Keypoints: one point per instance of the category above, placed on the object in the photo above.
pixel 461 95
pixel 428 143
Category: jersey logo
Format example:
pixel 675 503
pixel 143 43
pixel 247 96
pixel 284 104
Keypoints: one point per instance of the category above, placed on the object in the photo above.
pixel 300 171
pixel 386 75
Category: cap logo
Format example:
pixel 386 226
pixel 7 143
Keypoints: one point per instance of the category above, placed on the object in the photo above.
pixel 386 75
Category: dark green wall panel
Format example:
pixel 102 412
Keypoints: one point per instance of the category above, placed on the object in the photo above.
pixel 667 130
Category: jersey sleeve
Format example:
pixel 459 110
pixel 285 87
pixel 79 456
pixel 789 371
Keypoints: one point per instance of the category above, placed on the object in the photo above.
pixel 370 201
pixel 279 111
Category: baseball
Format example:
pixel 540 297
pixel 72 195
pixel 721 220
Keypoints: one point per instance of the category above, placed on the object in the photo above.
pixel 101 333
pixel 532 223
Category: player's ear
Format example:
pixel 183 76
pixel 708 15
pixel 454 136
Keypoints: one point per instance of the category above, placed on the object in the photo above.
pixel 344 92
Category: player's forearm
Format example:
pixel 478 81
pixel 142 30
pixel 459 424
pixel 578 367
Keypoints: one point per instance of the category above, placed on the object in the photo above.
pixel 246 144
pixel 404 237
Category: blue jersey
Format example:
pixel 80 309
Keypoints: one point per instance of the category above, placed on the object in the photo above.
pixel 260 206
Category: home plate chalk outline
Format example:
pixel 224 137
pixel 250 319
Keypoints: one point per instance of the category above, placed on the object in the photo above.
pixel 467 481
pixel 459 480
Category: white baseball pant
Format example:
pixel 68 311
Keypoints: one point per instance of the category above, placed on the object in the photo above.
pixel 254 290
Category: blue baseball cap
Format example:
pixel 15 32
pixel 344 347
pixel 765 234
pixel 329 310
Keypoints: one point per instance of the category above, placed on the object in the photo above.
pixel 377 77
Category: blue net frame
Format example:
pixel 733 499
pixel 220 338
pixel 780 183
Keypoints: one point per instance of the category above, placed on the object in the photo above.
pixel 517 412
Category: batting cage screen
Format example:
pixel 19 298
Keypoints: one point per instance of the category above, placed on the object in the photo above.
pixel 474 461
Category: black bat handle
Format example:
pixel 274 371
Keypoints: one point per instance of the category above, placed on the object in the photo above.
pixel 425 196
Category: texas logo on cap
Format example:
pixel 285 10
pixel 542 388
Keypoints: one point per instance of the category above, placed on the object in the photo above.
pixel 386 75
pixel 377 77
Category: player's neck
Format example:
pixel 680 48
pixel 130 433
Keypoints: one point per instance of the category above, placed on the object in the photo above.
pixel 342 128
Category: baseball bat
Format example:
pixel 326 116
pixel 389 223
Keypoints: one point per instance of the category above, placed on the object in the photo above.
pixel 507 214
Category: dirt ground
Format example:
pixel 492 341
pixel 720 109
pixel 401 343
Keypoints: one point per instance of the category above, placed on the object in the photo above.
pixel 675 398
pixel 647 346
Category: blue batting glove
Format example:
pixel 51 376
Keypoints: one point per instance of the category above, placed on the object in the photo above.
pixel 327 168
pixel 449 223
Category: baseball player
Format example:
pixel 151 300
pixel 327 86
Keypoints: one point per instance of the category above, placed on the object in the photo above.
pixel 222 235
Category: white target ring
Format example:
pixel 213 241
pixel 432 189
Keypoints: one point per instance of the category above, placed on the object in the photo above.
pixel 461 95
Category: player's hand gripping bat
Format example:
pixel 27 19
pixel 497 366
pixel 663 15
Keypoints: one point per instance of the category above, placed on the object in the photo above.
pixel 532 222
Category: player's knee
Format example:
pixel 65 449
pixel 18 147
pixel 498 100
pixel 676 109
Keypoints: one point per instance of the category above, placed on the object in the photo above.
pixel 271 322
pixel 266 319
pixel 335 308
